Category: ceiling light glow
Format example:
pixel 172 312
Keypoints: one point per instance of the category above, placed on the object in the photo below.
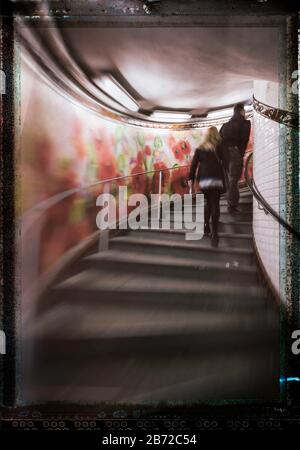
pixel 170 116
pixel 111 87
pixel 220 113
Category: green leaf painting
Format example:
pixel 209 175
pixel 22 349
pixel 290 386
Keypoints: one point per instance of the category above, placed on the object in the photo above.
pixel 158 142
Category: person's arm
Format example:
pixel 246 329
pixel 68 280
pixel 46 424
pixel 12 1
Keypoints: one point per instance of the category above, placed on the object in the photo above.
pixel 219 151
pixel 226 131
pixel 245 137
pixel 194 165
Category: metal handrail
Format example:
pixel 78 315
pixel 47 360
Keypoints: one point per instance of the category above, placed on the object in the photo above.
pixel 51 201
pixel 33 216
pixel 263 204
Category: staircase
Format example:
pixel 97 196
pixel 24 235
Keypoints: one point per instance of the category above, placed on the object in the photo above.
pixel 157 317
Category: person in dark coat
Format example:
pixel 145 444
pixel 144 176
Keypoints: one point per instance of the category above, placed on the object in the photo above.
pixel 235 136
pixel 206 169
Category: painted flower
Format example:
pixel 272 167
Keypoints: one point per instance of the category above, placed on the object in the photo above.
pixel 157 166
pixel 178 153
pixel 140 158
pixel 185 147
pixel 108 170
pixel 139 182
pixel 147 150
pixel 181 150
pixel 179 181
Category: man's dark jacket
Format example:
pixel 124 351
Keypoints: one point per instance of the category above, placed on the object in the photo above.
pixel 235 133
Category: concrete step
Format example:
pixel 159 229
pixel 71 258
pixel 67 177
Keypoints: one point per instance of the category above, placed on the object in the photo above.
pixel 227 224
pixel 242 207
pixel 172 266
pixel 94 377
pixel 244 192
pixel 99 322
pixel 142 290
pixel 244 200
pixel 156 318
pixel 244 217
pixel 134 344
pixel 235 227
pixel 201 251
pixel 226 239
pixel 117 341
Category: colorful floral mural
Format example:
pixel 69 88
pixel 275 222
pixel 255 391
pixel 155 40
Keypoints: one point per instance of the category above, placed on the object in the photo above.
pixel 63 146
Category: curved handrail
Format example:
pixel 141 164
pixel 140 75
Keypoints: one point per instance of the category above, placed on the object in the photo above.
pixel 32 216
pixel 262 201
pixel 51 201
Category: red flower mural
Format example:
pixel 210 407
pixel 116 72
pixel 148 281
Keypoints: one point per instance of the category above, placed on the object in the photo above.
pixel 185 147
pixel 77 140
pixel 139 182
pixel 78 149
pixel 181 150
pixel 179 181
pixel 159 165
pixel 106 159
pixel 147 150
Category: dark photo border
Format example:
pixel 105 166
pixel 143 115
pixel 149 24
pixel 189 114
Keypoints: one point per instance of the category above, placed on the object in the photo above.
pixel 284 414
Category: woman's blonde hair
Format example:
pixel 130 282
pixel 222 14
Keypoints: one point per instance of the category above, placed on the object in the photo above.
pixel 212 138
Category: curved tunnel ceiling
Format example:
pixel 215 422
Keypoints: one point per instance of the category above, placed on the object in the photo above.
pixel 192 69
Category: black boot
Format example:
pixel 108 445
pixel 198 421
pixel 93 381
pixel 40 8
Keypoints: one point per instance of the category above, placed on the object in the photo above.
pixel 214 240
pixel 206 229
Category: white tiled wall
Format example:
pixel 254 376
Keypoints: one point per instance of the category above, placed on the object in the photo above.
pixel 266 175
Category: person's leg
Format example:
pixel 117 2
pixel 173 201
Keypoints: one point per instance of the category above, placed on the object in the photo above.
pixel 207 212
pixel 215 211
pixel 234 174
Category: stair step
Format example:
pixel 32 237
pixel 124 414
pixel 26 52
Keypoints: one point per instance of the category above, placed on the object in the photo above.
pixel 226 239
pixel 235 227
pixel 187 248
pixel 159 291
pixel 243 374
pixel 225 217
pixel 168 265
pixel 90 323
pixel 226 224
pixel 244 200
pixel 118 341
pixel 224 227
pixel 247 200
pixel 244 192
pixel 243 208
pixel 157 317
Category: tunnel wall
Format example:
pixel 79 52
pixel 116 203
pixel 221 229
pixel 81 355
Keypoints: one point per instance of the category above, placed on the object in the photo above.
pixel 266 175
pixel 64 146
